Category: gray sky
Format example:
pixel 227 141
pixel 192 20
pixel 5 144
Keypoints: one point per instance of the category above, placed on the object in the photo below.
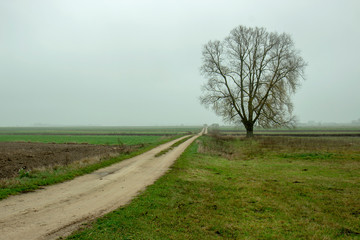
pixel 136 62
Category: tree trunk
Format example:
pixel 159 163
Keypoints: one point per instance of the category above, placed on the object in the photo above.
pixel 249 133
pixel 249 130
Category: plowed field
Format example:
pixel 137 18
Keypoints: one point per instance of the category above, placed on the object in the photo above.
pixel 15 156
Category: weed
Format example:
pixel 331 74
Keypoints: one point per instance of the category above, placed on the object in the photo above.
pixel 25 174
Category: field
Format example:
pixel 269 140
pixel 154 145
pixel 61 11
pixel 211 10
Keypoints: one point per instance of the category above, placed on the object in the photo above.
pixel 288 185
pixel 18 158
pixel 93 135
pixel 236 188
pixel 318 131
pixel 100 130
pixel 90 139
pixel 33 157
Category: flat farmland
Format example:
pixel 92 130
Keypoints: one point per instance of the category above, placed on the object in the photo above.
pixel 336 131
pixel 20 159
pixel 94 135
pixel 34 157
pixel 230 187
pixel 100 130
pixel 84 138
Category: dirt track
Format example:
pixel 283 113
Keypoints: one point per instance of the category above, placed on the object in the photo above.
pixel 58 210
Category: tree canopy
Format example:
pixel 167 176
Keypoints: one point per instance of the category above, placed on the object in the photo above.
pixel 251 75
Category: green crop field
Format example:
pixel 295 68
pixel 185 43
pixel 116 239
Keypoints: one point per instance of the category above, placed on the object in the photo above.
pixel 236 188
pixel 93 135
pixel 99 130
pixel 91 139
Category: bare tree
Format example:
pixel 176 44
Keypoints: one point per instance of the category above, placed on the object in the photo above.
pixel 251 75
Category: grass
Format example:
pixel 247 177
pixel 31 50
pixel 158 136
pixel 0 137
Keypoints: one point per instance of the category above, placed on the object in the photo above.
pixel 172 146
pixel 233 188
pixel 30 181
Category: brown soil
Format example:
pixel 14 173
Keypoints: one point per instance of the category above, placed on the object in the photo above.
pixel 15 156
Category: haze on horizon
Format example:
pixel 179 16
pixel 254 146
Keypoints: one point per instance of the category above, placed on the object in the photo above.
pixel 136 63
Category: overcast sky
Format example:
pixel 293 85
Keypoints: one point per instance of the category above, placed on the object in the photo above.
pixel 136 62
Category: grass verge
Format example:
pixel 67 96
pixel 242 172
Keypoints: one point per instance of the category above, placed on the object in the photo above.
pixel 266 188
pixel 172 146
pixel 30 181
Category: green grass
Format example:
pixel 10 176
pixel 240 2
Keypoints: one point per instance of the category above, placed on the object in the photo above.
pixel 101 130
pixel 172 146
pixel 30 181
pixel 97 139
pixel 231 188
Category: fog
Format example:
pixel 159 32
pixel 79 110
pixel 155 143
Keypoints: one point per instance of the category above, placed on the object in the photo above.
pixel 103 62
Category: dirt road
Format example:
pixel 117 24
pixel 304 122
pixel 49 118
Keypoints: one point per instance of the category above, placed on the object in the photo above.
pixel 58 210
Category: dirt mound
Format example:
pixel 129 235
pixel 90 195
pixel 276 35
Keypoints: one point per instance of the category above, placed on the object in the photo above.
pixel 15 156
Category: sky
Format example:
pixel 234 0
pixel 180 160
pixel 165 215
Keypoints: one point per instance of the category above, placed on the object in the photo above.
pixel 136 62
